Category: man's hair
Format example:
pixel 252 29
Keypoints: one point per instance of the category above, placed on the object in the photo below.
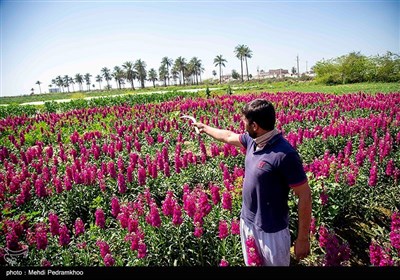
pixel 260 111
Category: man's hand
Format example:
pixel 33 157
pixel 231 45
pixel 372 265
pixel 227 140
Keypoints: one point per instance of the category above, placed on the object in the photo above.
pixel 301 248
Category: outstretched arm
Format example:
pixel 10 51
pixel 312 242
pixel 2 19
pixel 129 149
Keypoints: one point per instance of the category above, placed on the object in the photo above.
pixel 222 135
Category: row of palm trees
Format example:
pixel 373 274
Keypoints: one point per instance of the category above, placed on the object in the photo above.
pixel 180 69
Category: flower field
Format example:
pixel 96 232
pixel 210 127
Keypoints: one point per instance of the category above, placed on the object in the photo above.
pixel 134 185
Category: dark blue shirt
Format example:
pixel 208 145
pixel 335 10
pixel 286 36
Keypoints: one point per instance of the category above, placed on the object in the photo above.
pixel 269 174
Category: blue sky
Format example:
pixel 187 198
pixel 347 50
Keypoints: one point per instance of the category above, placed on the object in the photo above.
pixel 43 39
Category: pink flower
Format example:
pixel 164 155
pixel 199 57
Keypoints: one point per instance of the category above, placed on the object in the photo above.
pixel 81 245
pixel 142 250
pixel 108 260
pixel 198 231
pixel 153 218
pixel 45 263
pixel 227 200
pixel 64 238
pixel 121 183
pixel 373 176
pixel 168 204
pixel 115 208
pixel 223 229
pixel 142 176
pixel 177 215
pixel 104 248
pixel 235 226
pixel 224 263
pixel 41 236
pixel 253 256
pixel 216 198
pixel 79 227
pixel 100 218
pixel 54 225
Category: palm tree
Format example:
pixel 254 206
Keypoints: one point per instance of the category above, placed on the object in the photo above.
pixel 197 68
pixel 180 65
pixel 38 83
pixel 87 80
pixel 71 82
pixel 79 81
pixel 247 54
pixel 66 81
pixel 294 71
pixel 59 82
pixel 99 79
pixel 190 73
pixel 153 76
pixel 175 74
pixel 219 61
pixel 107 76
pixel 163 74
pixel 118 75
pixel 240 51
pixel 140 67
pixel 54 82
pixel 165 61
pixel 130 72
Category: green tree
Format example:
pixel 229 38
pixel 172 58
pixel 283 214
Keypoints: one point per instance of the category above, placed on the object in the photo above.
pixel 163 74
pixel 59 82
pixel 353 68
pixel 71 82
pixel 175 74
pixel 99 79
pixel 153 76
pixel 79 81
pixel 219 61
pixel 294 71
pixel 38 83
pixel 247 54
pixel 140 67
pixel 87 77
pixel 240 52
pixel 118 75
pixel 107 76
pixel 130 72
pixel 196 69
pixel 387 67
pixel 235 74
pixel 66 82
pixel 180 65
pixel 167 62
pixel 327 72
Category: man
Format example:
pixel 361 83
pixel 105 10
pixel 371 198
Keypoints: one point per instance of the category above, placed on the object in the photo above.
pixel 272 168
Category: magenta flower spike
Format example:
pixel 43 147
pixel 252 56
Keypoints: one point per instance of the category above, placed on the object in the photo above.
pixel 100 218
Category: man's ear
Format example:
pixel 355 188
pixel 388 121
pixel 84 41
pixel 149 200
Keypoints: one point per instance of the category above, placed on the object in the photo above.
pixel 255 126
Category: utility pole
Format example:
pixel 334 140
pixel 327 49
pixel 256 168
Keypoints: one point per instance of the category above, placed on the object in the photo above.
pixel 306 66
pixel 298 70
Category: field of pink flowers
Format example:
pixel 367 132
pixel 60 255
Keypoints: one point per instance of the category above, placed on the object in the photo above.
pixel 134 185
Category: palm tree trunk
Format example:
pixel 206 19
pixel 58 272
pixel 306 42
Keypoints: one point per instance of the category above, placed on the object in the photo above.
pixel 168 76
pixel 241 67
pixel 247 70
